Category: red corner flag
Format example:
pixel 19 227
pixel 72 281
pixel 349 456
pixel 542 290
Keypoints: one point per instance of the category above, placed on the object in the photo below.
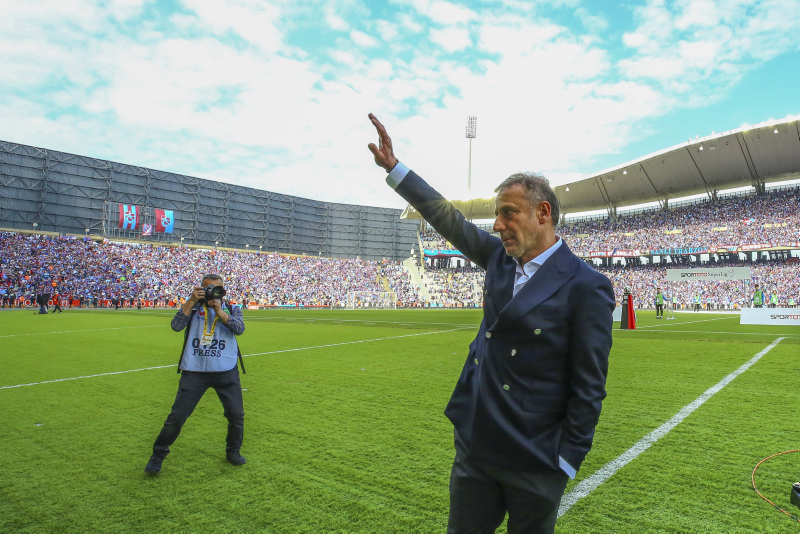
pixel 631 314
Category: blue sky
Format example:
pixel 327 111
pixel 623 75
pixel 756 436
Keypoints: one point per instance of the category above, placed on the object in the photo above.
pixel 274 94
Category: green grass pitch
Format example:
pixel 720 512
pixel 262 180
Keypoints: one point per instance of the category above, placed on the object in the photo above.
pixel 344 430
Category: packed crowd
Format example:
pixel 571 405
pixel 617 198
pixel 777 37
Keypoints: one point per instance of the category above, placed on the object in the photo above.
pixel 454 288
pixel 770 218
pixel 431 240
pixel 781 278
pixel 81 267
pixel 76 267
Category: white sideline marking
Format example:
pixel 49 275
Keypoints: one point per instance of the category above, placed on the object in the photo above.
pixel 244 356
pixel 586 486
pixel 89 330
pixel 317 319
pixel 707 332
pixel 685 322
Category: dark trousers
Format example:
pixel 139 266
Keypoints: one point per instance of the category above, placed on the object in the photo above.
pixel 659 309
pixel 481 494
pixel 190 390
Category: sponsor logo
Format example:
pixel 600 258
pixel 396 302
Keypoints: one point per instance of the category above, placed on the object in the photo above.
pixel 710 274
pixel 777 317
pixel 758 246
pixel 678 251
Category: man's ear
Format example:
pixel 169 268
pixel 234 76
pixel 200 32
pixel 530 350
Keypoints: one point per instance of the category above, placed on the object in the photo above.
pixel 543 211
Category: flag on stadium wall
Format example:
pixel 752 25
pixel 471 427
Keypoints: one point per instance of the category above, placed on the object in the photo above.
pixel 147 229
pixel 165 221
pixel 128 216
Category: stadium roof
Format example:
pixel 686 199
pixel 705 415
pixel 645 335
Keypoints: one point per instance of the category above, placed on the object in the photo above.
pixel 751 155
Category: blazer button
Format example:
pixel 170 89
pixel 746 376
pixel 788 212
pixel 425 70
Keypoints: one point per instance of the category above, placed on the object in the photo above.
pixel 476 361
pixel 506 387
pixel 488 335
pixel 537 331
pixel 513 352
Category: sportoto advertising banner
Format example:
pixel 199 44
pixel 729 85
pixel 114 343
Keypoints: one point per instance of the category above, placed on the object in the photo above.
pixel 128 217
pixel 721 273
pixel 165 221
pixel 771 316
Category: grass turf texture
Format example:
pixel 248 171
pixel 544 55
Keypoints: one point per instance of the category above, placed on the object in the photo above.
pixel 347 434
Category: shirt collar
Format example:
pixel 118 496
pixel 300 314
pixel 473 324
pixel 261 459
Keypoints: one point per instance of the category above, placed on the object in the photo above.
pixel 532 265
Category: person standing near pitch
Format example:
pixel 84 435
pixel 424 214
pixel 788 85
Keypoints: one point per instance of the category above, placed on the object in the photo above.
pixel 208 360
pixel 758 297
pixel 659 304
pixel 526 405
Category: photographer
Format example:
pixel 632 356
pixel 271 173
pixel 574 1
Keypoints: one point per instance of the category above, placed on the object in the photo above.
pixel 208 360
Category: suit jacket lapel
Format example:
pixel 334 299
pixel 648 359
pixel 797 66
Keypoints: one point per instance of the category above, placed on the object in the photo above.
pixel 548 279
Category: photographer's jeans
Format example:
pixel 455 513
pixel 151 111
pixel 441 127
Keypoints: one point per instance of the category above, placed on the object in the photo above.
pixel 191 388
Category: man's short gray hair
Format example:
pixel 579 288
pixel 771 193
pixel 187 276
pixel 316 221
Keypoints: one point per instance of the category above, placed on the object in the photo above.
pixel 211 276
pixel 538 189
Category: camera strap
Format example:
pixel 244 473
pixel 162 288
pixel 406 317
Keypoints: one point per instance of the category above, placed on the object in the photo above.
pixel 208 336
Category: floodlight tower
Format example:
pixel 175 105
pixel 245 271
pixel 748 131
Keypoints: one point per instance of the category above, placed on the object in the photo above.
pixel 472 125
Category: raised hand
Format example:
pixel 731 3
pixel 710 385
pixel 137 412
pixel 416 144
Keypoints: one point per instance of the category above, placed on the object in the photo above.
pixel 384 155
pixel 197 293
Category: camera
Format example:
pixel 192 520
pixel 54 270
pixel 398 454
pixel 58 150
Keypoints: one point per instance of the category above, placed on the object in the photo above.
pixel 212 292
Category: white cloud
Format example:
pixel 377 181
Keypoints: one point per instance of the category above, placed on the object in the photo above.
pixel 451 39
pixel 592 22
pixel 448 13
pixel 708 44
pixel 335 21
pixel 362 39
pixel 179 94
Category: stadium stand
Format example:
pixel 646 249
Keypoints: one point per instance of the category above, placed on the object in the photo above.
pixel 773 217
pixel 75 267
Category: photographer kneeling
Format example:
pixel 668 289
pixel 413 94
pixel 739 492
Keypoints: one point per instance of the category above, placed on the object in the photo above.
pixel 208 360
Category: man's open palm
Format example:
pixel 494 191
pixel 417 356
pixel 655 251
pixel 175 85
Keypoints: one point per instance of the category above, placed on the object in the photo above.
pixel 384 155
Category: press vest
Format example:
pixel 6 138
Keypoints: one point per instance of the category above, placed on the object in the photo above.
pixel 774 299
pixel 758 297
pixel 697 299
pixel 220 355
pixel 659 299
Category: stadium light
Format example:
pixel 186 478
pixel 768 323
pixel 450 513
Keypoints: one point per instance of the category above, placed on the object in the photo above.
pixel 472 127
pixel 35 225
pixel 776 130
pixel 625 171
pixel 567 189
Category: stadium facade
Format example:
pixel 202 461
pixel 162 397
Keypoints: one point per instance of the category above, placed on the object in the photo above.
pixel 46 190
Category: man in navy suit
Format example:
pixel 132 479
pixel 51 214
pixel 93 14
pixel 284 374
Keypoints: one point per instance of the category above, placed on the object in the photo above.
pixel 525 407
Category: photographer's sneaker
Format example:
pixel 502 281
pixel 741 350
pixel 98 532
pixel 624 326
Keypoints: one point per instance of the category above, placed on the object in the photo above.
pixel 154 465
pixel 235 458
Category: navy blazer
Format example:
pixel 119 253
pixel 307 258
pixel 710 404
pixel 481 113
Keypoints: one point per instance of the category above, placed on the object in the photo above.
pixel 534 380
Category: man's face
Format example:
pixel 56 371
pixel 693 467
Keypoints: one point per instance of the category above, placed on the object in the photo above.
pixel 521 227
pixel 208 282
